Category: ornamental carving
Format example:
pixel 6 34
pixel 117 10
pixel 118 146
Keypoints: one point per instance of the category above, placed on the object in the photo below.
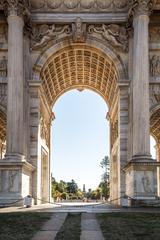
pixel 155 66
pixel 3 67
pixel 114 34
pixel 45 131
pixel 154 34
pixel 3 35
pixel 17 7
pixel 79 30
pixel 141 7
pixel 42 34
pixel 82 5
pixel 114 132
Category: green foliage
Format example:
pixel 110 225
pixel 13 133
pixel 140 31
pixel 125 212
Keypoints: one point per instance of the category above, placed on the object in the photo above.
pixel 63 190
pixel 106 167
pixel 72 187
pixel 104 185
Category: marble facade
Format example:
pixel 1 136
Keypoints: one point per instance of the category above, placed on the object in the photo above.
pixel 48 47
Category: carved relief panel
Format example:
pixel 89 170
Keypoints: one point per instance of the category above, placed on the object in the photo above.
pixel 45 131
pixel 115 35
pixel 113 132
pixel 9 181
pixel 3 67
pixel 3 36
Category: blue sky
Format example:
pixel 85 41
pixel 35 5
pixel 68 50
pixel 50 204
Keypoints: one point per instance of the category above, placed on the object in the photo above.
pixel 80 137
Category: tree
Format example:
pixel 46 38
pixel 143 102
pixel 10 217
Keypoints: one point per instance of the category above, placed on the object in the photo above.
pixel 106 167
pixel 72 187
pixel 104 185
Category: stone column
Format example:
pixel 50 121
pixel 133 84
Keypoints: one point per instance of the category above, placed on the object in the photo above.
pixel 15 173
pixel 141 177
pixel 15 106
pixel 140 87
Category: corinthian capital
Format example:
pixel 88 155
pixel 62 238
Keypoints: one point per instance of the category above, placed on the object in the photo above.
pixel 141 7
pixel 17 7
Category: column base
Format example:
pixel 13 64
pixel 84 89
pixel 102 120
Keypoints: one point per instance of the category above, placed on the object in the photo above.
pixel 15 181
pixel 14 157
pixel 141 178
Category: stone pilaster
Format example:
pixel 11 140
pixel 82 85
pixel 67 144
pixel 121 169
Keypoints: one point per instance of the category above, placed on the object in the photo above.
pixel 123 138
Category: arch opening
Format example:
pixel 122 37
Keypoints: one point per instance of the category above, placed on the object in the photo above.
pixel 76 67
pixel 80 136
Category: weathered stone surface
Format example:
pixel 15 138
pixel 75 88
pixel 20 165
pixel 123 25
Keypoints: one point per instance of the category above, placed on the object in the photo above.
pixel 50 47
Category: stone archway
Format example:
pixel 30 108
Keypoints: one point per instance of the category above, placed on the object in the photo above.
pixel 41 67
pixel 81 66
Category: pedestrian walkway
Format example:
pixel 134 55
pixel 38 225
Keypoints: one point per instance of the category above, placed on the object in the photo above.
pixel 51 228
pixel 90 229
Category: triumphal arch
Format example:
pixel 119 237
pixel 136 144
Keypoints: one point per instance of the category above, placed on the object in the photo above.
pixel 48 47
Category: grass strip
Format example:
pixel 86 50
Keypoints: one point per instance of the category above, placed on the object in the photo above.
pixel 18 226
pixel 130 226
pixel 71 228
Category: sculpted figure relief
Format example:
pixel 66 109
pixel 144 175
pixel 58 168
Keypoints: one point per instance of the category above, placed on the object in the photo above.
pixel 11 179
pixel 79 30
pixel 155 66
pixel 44 33
pixel 115 35
pixel 45 131
pixel 146 184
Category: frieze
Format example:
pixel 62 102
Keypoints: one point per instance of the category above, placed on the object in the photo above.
pixel 79 5
pixel 114 34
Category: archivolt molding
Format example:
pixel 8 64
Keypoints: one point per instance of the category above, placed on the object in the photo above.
pixel 81 67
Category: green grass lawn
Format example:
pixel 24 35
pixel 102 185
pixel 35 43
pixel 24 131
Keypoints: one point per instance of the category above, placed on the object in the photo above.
pixel 18 226
pixel 71 228
pixel 130 226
